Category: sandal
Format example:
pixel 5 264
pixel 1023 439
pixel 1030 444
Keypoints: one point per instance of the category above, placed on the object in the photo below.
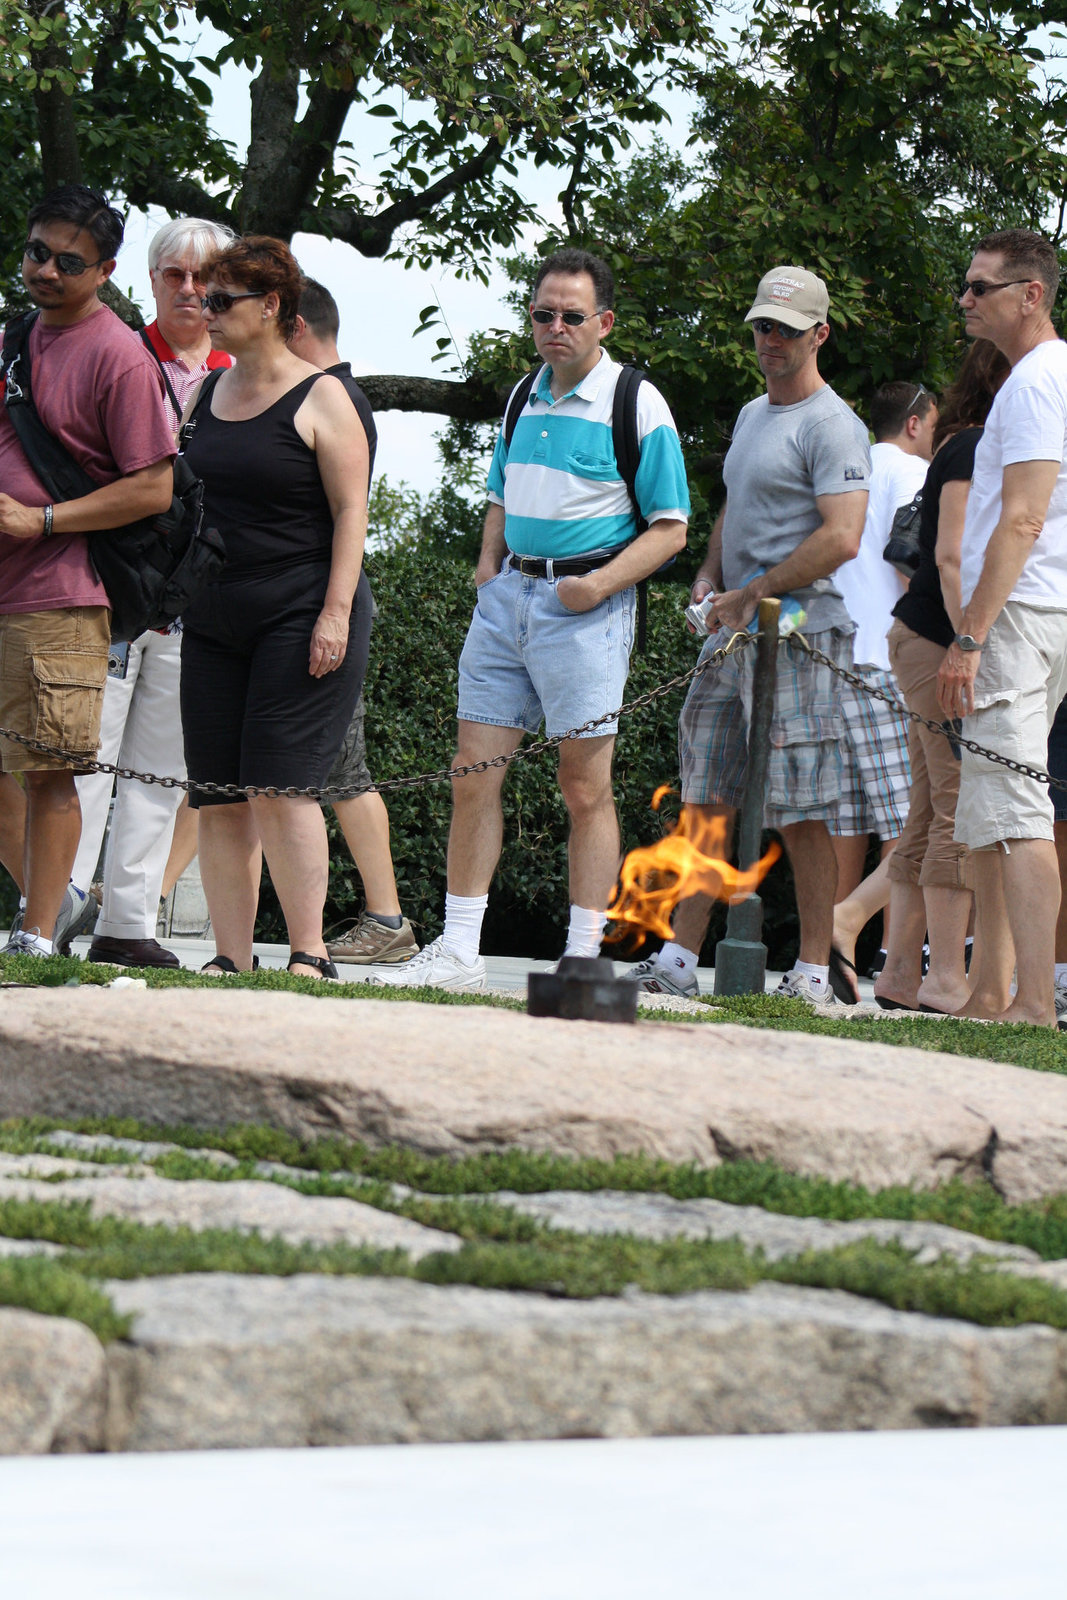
pixel 844 979
pixel 323 964
pixel 223 967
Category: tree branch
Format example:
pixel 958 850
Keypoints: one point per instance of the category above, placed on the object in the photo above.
pixel 372 235
pixel 471 401
pixel 182 197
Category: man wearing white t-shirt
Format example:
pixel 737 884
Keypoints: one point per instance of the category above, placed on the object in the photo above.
pixel 877 779
pixel 1006 672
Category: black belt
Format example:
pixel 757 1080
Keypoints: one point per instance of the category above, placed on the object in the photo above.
pixel 538 567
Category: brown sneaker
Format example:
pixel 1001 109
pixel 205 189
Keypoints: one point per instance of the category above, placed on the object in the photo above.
pixel 369 942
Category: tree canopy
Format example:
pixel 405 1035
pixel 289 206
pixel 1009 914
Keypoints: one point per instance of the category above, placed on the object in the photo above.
pixel 870 141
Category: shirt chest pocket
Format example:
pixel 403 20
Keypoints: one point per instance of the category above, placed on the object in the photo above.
pixel 589 464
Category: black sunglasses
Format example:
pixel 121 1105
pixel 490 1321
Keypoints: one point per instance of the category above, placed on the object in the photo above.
pixel 70 265
pixel 979 287
pixel 220 301
pixel 764 326
pixel 571 319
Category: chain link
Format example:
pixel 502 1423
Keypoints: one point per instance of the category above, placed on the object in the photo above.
pixel 947 729
pixel 736 642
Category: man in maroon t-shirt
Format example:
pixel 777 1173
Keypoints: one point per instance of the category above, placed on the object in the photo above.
pixel 100 393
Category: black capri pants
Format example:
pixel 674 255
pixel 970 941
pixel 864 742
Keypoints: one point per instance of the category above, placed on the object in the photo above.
pixel 252 714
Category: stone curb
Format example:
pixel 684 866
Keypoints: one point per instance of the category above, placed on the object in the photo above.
pixel 453 1080
pixel 226 1362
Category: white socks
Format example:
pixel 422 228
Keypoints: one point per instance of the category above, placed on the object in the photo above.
pixel 818 977
pixel 677 958
pixel 463 925
pixel 585 931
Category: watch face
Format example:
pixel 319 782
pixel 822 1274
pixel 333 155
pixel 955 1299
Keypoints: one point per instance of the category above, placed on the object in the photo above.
pixel 967 641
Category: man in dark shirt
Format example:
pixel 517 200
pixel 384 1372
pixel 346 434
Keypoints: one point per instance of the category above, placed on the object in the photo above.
pixel 381 933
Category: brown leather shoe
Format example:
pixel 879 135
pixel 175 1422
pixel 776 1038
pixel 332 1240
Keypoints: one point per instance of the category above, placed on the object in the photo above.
pixel 131 953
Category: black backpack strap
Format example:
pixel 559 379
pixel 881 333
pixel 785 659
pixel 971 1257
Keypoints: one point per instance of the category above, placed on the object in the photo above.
pixel 628 459
pixel 188 428
pixel 519 396
pixel 59 473
pixel 624 433
pixel 157 358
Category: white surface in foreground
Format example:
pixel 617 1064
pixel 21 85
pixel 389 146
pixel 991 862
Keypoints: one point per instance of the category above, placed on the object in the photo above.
pixel 926 1516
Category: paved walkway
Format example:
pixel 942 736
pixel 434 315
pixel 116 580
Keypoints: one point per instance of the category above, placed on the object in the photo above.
pixel 931 1516
pixel 505 972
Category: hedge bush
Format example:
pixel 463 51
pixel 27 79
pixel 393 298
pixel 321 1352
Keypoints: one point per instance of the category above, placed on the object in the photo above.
pixel 425 600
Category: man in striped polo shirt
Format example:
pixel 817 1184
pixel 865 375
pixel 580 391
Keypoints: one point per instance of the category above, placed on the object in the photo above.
pixel 553 626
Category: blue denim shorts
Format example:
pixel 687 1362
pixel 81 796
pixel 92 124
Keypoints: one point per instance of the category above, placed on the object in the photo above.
pixel 527 658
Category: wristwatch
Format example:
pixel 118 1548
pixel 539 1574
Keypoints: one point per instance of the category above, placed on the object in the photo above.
pixel 967 642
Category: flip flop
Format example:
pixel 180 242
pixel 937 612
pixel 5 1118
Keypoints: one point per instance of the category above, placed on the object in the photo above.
pixel 934 1011
pixel 845 988
pixel 892 1005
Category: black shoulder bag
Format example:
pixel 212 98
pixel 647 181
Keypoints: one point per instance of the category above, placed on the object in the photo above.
pixel 902 546
pixel 151 568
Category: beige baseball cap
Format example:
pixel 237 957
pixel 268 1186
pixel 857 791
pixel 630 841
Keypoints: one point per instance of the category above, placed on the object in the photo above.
pixel 793 296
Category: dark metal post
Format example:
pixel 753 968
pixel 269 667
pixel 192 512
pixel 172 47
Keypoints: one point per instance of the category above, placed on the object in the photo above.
pixel 741 957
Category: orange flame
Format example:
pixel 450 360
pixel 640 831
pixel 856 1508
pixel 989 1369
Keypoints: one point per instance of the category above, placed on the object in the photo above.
pixel 688 860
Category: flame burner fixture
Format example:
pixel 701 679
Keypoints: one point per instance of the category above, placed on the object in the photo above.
pixel 582 989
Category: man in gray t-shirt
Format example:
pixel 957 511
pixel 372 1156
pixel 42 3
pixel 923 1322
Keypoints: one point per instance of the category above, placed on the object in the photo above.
pixel 796 479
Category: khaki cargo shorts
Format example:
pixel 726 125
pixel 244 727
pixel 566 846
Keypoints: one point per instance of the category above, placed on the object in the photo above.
pixel 53 667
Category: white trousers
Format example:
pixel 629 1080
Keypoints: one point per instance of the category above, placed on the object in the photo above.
pixel 141 727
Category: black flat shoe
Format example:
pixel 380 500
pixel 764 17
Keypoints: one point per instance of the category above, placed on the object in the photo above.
pixel 323 964
pixel 223 967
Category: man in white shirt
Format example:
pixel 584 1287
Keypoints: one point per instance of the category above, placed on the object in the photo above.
pixel 877 774
pixel 1006 671
pixel 875 752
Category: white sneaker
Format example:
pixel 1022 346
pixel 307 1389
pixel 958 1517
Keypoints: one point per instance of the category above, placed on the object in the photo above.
pixel 795 986
pixel 433 968
pixel 1060 997
pixel 652 977
pixel 23 942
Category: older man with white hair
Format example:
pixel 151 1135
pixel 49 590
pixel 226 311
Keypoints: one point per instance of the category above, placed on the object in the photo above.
pixel 141 726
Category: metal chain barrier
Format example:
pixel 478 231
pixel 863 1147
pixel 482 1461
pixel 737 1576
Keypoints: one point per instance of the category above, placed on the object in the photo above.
pixel 946 729
pixel 738 642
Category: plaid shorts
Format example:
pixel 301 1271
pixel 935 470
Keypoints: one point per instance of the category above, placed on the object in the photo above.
pixel 877 775
pixel 804 769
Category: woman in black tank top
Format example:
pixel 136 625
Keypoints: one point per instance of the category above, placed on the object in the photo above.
pixel 273 653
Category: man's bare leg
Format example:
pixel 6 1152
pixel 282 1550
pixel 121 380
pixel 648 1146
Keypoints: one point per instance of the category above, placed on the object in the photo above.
pixel 476 834
pixel 851 852
pixel 811 855
pixel 13 828
pixel 364 822
pixel 593 849
pixel 1032 896
pixel 993 960
pixel 53 829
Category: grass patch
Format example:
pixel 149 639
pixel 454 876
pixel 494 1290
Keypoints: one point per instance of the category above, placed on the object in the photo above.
pixel 35 1283
pixel 559 1264
pixel 338 1167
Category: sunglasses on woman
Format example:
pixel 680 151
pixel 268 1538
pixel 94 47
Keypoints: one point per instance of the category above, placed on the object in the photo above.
pixel 70 265
pixel 220 301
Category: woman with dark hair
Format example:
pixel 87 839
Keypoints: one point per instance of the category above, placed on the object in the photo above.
pixel 931 876
pixel 274 652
